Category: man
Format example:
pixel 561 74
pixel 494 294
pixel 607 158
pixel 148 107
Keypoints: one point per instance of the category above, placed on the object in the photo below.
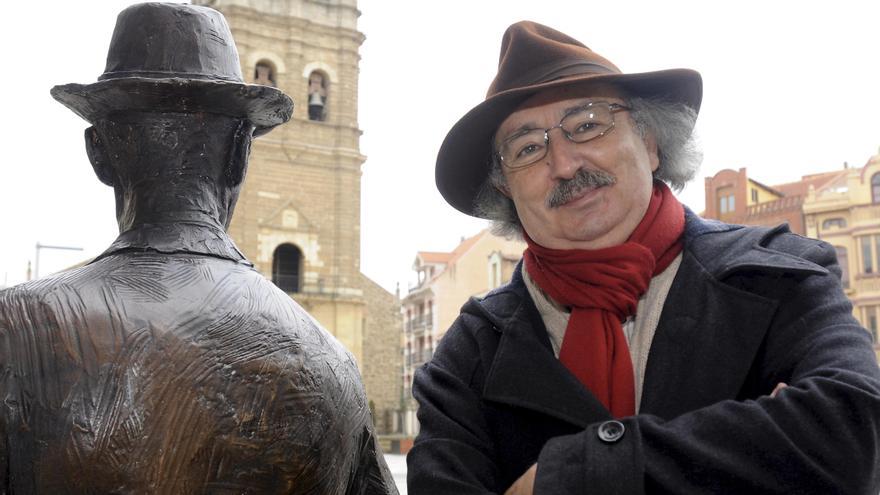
pixel 638 348
pixel 168 364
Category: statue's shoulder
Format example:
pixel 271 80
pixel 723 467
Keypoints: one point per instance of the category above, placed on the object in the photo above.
pixel 36 297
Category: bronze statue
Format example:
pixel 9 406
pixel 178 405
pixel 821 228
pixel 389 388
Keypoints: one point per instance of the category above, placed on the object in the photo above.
pixel 168 364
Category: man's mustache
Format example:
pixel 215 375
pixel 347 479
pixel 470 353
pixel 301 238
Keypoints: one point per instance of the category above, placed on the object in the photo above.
pixel 583 178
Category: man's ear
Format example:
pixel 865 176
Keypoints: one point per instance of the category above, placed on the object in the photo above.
pixel 653 151
pixel 97 154
pixel 236 165
pixel 503 189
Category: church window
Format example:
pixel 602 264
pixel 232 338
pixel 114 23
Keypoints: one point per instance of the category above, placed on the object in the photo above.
pixel 317 96
pixel 286 268
pixel 264 73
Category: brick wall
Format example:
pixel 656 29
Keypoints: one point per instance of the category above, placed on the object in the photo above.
pixel 382 354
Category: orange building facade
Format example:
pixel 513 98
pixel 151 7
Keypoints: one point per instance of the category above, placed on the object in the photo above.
pixel 841 207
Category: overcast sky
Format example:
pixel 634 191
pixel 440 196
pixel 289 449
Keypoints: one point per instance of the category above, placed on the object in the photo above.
pixel 790 88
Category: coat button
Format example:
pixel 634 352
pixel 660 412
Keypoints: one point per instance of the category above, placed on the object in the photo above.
pixel 611 431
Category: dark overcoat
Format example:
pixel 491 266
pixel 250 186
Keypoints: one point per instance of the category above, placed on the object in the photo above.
pixel 170 366
pixel 749 308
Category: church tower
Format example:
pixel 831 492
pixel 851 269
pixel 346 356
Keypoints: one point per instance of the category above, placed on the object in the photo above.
pixel 298 216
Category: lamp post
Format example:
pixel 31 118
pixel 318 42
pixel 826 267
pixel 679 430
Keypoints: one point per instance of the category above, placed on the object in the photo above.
pixel 45 246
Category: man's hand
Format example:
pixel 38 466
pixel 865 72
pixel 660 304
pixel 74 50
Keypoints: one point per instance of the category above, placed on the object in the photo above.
pixel 525 484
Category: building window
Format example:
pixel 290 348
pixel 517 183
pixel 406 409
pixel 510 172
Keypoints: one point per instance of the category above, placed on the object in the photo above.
pixel 754 195
pixel 837 222
pixel 875 188
pixel 430 313
pixel 317 96
pixel 494 270
pixel 286 267
pixel 843 261
pixel 872 316
pixel 868 265
pixel 877 252
pixel 726 204
pixel 264 73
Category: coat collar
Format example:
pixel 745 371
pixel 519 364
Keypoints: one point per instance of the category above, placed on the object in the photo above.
pixel 705 342
pixel 724 249
pixel 181 237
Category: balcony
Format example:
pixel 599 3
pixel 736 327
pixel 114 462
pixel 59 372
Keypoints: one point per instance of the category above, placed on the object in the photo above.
pixel 867 284
pixel 865 215
pixel 787 203
pixel 420 324
pixel 420 357
pixel 416 358
pixel 827 201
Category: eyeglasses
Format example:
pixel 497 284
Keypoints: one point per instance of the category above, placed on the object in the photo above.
pixel 586 123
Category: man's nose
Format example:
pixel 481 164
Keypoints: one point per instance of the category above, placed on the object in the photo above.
pixel 562 155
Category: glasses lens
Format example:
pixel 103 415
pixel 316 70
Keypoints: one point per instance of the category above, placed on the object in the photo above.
pixel 588 123
pixel 524 148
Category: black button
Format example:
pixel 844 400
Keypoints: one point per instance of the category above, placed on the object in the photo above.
pixel 611 431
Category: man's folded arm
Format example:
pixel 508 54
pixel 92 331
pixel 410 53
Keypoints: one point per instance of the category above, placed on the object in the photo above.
pixel 820 434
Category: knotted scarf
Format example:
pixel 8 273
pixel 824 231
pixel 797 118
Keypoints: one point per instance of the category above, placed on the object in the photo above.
pixel 602 287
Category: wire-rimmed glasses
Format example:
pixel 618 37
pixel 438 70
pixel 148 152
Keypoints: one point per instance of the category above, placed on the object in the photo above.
pixel 526 146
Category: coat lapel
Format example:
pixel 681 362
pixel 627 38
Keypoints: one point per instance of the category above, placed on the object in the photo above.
pixel 710 332
pixel 525 373
pixel 705 342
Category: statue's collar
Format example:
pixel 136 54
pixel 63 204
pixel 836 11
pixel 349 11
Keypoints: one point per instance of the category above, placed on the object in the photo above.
pixel 180 237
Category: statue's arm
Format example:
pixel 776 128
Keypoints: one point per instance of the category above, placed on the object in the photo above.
pixel 4 456
pixel 374 477
pixel 5 376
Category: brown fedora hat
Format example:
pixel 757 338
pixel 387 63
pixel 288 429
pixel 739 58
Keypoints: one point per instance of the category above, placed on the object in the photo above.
pixel 176 58
pixel 535 58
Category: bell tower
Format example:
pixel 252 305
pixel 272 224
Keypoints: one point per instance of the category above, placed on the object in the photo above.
pixel 298 215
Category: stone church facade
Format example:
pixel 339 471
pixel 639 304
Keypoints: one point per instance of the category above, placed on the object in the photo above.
pixel 298 216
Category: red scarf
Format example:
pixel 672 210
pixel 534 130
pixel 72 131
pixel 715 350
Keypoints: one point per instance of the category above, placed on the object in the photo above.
pixel 603 288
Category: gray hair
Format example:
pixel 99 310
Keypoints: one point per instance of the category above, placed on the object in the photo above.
pixel 670 123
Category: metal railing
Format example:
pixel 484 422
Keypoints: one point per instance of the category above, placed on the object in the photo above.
pixel 417 357
pixel 420 323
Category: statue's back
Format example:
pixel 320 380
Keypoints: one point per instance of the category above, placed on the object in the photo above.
pixel 152 373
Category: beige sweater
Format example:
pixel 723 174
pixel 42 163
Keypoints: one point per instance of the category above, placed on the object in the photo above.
pixel 639 329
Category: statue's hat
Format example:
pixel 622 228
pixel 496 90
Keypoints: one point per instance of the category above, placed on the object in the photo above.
pixel 178 58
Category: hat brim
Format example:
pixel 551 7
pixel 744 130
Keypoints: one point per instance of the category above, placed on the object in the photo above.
pixel 264 106
pixel 464 158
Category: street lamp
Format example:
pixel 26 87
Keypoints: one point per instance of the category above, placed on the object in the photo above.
pixel 45 246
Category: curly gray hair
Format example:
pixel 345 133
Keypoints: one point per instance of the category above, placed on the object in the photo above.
pixel 671 124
